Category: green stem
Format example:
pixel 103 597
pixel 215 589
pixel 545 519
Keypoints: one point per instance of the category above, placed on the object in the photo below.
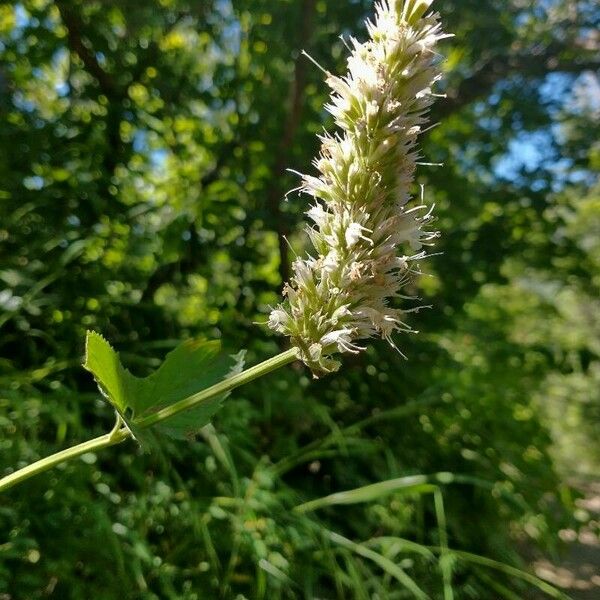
pixel 120 434
pixel 104 441
pixel 220 388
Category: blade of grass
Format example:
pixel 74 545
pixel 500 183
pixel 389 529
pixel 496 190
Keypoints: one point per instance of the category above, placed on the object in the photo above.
pixel 508 570
pixel 417 484
pixel 477 559
pixel 358 586
pixel 222 454
pixel 445 561
pixel 420 484
pixel 501 589
pixel 393 545
pixel 384 563
pixel 413 484
pixel 275 572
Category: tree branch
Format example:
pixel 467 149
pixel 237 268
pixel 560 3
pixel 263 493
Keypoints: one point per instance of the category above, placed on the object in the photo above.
pixel 75 28
pixel 297 89
pixel 531 64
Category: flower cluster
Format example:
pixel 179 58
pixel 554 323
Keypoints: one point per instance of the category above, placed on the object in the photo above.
pixel 365 234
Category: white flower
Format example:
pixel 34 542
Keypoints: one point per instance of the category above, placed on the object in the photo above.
pixel 278 320
pixel 365 235
pixel 318 215
pixel 331 262
pixel 354 234
pixel 342 338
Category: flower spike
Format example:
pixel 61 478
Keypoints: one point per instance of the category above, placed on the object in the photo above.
pixel 364 232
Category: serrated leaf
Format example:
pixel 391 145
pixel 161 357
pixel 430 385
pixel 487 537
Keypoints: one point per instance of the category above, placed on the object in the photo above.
pixel 192 367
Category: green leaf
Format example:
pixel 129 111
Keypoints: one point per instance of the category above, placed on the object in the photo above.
pixel 192 367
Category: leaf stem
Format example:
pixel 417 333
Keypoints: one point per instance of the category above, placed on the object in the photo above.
pixel 120 434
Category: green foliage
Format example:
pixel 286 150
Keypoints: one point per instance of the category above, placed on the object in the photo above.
pixel 192 367
pixel 143 149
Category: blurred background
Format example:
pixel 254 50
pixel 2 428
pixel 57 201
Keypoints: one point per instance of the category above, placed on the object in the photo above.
pixel 143 157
